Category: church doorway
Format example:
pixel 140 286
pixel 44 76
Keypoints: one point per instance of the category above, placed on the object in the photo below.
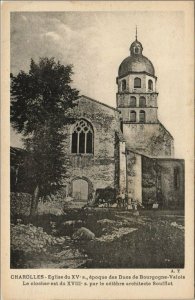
pixel 80 190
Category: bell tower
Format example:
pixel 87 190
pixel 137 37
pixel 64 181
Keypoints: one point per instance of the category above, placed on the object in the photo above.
pixel 137 96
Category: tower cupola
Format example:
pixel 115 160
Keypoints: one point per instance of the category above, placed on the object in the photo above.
pixel 136 61
pixel 137 95
pixel 136 48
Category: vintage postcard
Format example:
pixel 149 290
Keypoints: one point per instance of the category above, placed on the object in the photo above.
pixel 97 150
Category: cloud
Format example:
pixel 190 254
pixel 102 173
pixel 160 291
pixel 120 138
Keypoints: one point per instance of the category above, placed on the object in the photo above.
pixel 52 35
pixel 96 42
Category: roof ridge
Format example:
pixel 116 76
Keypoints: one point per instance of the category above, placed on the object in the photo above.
pixel 99 102
pixel 166 129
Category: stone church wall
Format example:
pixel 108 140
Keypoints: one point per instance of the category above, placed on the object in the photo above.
pixel 149 181
pixel 172 182
pixel 134 176
pixel 151 114
pixel 123 168
pixel 148 139
pixel 98 169
pixel 163 181
pixel 123 100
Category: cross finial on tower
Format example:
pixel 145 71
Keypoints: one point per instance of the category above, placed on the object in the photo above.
pixel 136 33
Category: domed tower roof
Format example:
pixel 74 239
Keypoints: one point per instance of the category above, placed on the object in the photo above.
pixel 136 62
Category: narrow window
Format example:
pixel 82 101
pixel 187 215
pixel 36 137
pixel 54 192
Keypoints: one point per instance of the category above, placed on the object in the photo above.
pixel 176 178
pixel 123 85
pixel 89 142
pixel 132 101
pixel 142 116
pixel 137 82
pixel 150 84
pixel 82 138
pixel 82 142
pixel 142 102
pixel 132 116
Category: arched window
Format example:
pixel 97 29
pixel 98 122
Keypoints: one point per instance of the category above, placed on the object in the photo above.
pixel 142 116
pixel 123 85
pixel 136 50
pixel 82 137
pixel 132 101
pixel 150 84
pixel 142 102
pixel 137 82
pixel 132 116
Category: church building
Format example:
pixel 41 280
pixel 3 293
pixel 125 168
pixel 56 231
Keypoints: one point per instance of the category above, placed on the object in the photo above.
pixel 125 148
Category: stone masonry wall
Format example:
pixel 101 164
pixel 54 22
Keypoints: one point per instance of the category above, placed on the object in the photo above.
pixel 123 99
pixel 163 182
pixel 151 114
pixel 149 181
pixel 134 177
pixel 172 181
pixel 99 168
pixel 148 139
pixel 122 171
pixel 130 83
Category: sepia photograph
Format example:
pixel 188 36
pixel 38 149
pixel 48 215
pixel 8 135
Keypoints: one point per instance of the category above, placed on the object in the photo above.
pixel 97 156
pixel 97 160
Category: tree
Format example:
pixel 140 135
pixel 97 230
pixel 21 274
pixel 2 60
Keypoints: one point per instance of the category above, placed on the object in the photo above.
pixel 39 100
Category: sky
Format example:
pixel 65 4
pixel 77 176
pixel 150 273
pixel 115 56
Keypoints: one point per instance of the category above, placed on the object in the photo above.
pixel 96 43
